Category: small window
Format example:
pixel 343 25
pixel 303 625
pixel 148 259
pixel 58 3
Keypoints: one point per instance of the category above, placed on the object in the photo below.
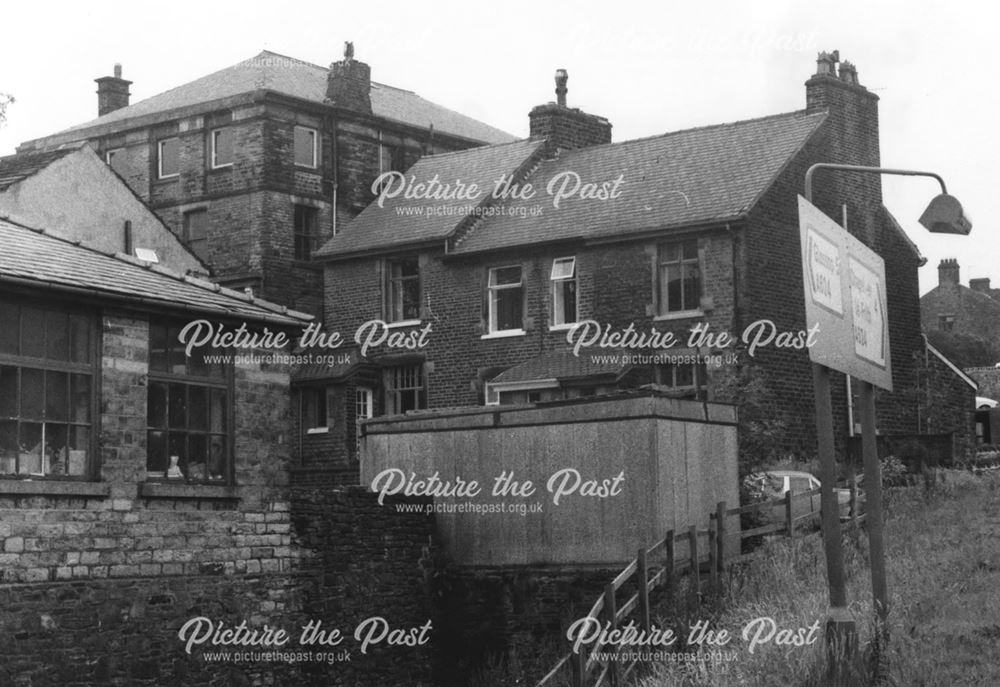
pixel 404 389
pixel 117 160
pixel 364 407
pixel 315 415
pixel 306 230
pixel 196 230
pixel 306 148
pixel 679 278
pixel 222 148
pixel 168 158
pixel 946 323
pixel 188 406
pixel 506 299
pixel 563 278
pixel 403 290
pixel 681 377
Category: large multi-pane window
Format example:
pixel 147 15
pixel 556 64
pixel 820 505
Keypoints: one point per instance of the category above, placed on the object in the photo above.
pixel 679 278
pixel 47 386
pixel 189 434
pixel 506 299
pixel 403 290
pixel 404 389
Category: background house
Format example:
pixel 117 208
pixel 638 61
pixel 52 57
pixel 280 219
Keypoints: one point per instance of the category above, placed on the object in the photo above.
pixel 256 165
pixel 72 193
pixel 701 228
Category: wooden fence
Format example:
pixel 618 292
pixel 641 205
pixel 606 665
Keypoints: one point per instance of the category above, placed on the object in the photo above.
pixel 706 549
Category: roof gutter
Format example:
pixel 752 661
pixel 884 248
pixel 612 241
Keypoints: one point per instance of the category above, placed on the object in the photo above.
pixel 152 304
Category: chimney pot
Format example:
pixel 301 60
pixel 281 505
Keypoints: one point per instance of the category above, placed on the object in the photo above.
pixel 118 70
pixel 561 78
pixel 825 62
pixel 848 73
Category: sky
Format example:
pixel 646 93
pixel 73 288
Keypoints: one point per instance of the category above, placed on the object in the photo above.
pixel 649 68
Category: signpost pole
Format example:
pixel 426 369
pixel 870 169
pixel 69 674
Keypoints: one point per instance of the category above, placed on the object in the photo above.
pixel 873 505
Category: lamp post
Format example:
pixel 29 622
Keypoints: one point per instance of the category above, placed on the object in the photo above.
pixel 943 215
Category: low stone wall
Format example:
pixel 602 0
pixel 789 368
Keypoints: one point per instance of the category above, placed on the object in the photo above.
pixel 96 596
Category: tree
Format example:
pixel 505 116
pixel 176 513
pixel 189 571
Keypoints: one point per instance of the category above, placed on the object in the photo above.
pixel 5 100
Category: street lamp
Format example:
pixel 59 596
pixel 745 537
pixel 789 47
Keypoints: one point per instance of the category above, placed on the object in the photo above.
pixel 944 215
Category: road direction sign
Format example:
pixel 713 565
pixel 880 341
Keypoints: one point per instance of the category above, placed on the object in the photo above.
pixel 844 284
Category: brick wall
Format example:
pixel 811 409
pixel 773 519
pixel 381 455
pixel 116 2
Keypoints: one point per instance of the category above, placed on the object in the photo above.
pixel 988 379
pixel 615 287
pixel 948 406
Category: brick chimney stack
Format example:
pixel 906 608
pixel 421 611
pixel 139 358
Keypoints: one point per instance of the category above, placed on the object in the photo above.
pixel 982 285
pixel 349 83
pixel 112 92
pixel 567 127
pixel 851 136
pixel 948 272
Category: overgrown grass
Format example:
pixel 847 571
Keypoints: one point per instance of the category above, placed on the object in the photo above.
pixel 943 569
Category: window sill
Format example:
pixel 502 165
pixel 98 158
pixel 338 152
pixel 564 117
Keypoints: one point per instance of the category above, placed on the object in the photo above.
pixel 403 323
pixel 307 168
pixel 505 334
pixel 163 490
pixel 562 327
pixel 168 178
pixel 54 488
pixel 218 168
pixel 680 315
pixel 318 430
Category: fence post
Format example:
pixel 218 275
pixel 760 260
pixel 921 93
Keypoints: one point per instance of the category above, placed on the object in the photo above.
pixel 695 570
pixel 789 522
pixel 853 483
pixel 578 667
pixel 611 609
pixel 668 564
pixel 713 565
pixel 720 540
pixel 643 567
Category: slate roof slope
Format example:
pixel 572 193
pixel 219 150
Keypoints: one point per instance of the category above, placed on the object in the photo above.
pixel 16 168
pixel 695 176
pixel 30 255
pixel 562 364
pixel 289 76
pixel 393 225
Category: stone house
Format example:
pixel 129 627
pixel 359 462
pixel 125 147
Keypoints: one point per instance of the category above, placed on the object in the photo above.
pixel 100 529
pixel 76 196
pixel 955 308
pixel 256 165
pixel 483 296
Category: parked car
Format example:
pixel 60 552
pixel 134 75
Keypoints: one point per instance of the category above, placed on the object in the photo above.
pixel 776 483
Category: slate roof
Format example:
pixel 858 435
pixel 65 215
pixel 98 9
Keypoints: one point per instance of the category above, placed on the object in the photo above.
pixel 32 256
pixel 696 176
pixel 561 364
pixel 16 168
pixel 273 72
pixel 386 227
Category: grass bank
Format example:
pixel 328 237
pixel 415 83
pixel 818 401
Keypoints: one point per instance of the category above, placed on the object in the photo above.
pixel 943 561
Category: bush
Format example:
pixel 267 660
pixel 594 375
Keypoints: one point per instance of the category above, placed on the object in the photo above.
pixel 893 472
